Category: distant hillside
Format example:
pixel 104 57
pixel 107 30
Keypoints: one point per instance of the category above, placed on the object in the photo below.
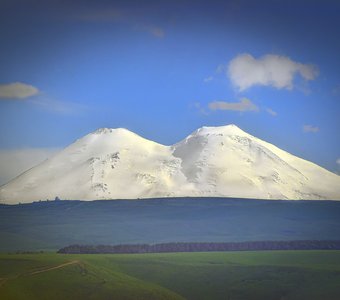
pixel 56 224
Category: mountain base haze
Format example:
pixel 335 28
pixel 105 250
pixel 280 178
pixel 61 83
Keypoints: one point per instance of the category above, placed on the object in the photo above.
pixel 51 225
pixel 211 162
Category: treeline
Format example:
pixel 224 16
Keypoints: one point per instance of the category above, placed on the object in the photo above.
pixel 202 247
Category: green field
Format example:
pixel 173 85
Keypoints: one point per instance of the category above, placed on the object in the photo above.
pixel 214 275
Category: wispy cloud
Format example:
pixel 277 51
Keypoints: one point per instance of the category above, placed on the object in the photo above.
pixel 336 90
pixel 113 15
pixel 58 107
pixel 39 99
pixel 243 105
pixel 207 79
pixel 278 71
pixel 151 29
pixel 109 15
pixel 17 90
pixel 337 166
pixel 310 128
pixel 201 109
pixel 15 161
pixel 271 112
pixel 220 69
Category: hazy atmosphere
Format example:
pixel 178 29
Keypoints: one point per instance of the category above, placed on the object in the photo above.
pixel 165 68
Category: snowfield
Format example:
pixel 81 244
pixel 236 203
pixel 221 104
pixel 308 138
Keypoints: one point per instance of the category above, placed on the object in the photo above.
pixel 213 162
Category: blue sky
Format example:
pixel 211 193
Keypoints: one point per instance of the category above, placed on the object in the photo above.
pixel 164 68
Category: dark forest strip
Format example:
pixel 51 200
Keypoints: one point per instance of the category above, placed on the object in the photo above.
pixel 202 247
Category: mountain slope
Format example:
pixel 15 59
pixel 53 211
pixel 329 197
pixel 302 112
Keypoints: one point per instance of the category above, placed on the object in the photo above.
pixel 108 163
pixel 212 161
pixel 226 161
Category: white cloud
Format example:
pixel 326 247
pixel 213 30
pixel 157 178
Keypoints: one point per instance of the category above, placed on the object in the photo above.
pixel 17 90
pixel 338 162
pixel 271 112
pixel 278 71
pixel 244 105
pixel 310 128
pixel 14 162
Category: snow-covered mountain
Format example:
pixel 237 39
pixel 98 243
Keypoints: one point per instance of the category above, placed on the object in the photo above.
pixel 212 161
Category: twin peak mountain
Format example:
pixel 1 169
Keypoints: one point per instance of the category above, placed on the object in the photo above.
pixel 211 162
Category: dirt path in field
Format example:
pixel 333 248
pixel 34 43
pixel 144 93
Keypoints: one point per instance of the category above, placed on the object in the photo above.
pixel 3 280
pixel 73 262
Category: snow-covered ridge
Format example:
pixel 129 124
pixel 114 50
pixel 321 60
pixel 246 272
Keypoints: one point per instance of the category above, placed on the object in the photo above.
pixel 212 161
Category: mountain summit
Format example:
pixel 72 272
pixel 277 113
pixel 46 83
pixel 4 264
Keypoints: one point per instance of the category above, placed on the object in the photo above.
pixel 211 162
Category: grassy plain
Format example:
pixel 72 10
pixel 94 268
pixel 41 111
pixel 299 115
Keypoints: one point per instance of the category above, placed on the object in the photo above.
pixel 259 275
